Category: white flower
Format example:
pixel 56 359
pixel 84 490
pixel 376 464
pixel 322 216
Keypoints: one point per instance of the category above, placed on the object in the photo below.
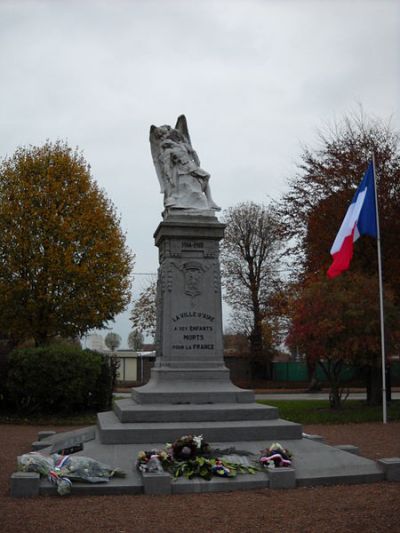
pixel 198 440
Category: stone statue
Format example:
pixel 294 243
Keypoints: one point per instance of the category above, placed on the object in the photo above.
pixel 183 182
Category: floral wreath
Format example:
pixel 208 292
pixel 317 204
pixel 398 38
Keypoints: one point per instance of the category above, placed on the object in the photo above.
pixel 188 447
pixel 190 456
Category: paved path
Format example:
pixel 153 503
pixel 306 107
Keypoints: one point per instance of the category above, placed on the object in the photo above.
pixel 314 396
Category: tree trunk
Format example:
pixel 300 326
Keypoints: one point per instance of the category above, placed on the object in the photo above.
pixel 260 367
pixel 332 370
pixel 314 385
pixel 374 385
pixel 335 396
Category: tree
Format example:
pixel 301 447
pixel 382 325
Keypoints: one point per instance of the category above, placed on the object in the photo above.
pixel 248 257
pixel 144 314
pixel 337 321
pixel 112 341
pixel 237 343
pixel 135 340
pixel 311 212
pixel 64 264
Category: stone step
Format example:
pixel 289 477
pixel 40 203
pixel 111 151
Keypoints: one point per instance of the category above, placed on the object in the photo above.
pixel 182 397
pixel 129 411
pixel 113 431
pixel 188 374
pixel 182 391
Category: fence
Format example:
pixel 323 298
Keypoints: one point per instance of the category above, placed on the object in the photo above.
pixel 135 368
pixel 297 371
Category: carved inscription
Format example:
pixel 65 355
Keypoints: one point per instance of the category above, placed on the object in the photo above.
pixel 192 245
pixel 193 314
pixel 193 336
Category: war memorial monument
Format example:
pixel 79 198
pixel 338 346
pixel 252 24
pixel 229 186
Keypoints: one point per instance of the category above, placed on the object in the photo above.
pixel 190 391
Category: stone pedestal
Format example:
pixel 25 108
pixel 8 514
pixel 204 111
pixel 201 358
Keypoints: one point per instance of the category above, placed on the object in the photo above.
pixel 190 391
pixel 190 365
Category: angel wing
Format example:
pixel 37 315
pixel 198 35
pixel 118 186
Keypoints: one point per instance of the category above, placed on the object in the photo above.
pixel 155 152
pixel 182 128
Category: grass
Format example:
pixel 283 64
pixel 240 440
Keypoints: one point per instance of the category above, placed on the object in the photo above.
pixel 319 412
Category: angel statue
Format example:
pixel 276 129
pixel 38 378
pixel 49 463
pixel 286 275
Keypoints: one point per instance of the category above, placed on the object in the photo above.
pixel 183 182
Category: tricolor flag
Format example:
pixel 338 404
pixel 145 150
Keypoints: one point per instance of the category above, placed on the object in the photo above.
pixel 360 219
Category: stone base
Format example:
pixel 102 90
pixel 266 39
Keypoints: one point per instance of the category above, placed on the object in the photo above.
pixel 45 434
pixel 130 411
pixel 282 478
pixel 391 468
pixel 113 431
pixel 189 385
pixel 349 448
pixel 25 485
pixel 156 483
pixel 38 445
pixel 314 464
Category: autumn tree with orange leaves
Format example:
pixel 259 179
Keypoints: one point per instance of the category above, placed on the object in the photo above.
pixel 64 264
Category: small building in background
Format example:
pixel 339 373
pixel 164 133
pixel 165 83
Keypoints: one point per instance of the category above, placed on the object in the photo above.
pixel 128 366
pixel 134 367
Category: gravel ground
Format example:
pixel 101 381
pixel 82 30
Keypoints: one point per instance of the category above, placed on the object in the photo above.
pixel 351 508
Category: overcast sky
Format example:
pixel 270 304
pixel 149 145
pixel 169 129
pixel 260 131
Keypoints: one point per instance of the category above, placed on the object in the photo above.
pixel 255 79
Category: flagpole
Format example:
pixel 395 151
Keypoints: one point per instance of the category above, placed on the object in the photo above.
pixel 382 318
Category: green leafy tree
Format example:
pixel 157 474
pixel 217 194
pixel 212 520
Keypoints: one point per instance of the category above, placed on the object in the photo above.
pixel 249 259
pixel 135 340
pixel 64 264
pixel 112 341
pixel 337 321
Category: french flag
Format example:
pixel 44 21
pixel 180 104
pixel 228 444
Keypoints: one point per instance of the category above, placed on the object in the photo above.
pixel 360 219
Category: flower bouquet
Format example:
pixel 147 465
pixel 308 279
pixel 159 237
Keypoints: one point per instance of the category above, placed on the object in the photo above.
pixel 152 460
pixel 82 468
pixel 61 469
pixel 275 456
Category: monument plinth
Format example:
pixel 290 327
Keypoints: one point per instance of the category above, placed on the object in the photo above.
pixel 190 364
